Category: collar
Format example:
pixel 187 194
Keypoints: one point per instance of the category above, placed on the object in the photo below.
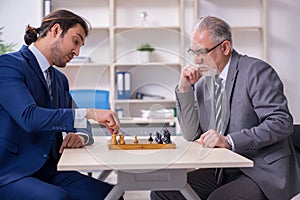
pixel 42 60
pixel 224 72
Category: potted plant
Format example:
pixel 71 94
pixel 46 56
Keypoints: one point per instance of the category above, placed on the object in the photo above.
pixel 5 47
pixel 145 52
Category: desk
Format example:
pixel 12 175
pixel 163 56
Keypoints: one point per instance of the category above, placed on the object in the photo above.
pixel 159 169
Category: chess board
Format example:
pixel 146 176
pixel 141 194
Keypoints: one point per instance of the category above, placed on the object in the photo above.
pixel 143 144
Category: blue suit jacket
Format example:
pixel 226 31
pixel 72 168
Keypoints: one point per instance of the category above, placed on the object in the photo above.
pixel 28 119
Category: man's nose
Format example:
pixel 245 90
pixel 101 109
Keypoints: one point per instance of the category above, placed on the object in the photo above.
pixel 198 59
pixel 76 52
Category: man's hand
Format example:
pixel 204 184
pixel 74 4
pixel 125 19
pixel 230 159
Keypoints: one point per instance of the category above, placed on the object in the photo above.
pixel 72 140
pixel 106 117
pixel 189 76
pixel 212 138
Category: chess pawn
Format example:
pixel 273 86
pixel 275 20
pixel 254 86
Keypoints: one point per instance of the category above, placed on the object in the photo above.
pixel 121 139
pixel 135 140
pixel 113 139
pixel 150 138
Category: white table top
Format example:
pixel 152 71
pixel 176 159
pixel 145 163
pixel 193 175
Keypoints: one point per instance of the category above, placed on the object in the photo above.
pixel 186 155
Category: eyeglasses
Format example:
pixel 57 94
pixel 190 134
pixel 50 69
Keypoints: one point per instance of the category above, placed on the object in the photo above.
pixel 203 51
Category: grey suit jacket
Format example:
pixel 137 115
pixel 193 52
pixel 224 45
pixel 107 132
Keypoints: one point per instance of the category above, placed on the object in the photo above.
pixel 257 118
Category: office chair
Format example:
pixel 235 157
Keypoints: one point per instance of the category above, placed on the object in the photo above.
pixel 296 137
pixel 296 142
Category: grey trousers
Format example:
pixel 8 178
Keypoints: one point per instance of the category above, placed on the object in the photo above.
pixel 235 185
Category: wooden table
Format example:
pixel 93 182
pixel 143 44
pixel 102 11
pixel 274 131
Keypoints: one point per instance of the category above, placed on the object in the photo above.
pixel 159 169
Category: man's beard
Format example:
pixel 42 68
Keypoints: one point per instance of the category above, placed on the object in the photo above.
pixel 57 54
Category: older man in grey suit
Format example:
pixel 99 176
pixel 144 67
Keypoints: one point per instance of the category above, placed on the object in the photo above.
pixel 256 121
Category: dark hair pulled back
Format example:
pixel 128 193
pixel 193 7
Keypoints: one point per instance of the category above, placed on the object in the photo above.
pixel 64 18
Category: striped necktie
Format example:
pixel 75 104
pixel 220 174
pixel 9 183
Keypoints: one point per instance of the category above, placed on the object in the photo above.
pixel 48 81
pixel 218 103
pixel 218 116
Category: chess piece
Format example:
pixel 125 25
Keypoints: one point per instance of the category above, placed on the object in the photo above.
pixel 135 140
pixel 150 138
pixel 121 139
pixel 167 137
pixel 113 139
pixel 158 138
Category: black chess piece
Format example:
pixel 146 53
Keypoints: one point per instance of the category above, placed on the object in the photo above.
pixel 158 138
pixel 150 138
pixel 167 137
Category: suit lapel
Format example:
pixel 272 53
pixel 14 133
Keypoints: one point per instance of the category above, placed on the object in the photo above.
pixel 34 65
pixel 229 85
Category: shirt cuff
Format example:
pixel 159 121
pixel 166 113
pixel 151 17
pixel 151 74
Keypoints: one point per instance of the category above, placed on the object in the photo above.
pixel 80 121
pixel 85 137
pixel 230 141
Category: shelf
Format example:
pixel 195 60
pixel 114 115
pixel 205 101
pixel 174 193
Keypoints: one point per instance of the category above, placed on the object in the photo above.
pixel 152 64
pixel 141 101
pixel 247 28
pixel 74 64
pixel 126 28
pixel 139 120
pixel 100 28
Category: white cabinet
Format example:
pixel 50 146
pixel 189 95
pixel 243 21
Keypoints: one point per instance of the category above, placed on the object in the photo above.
pixel 119 27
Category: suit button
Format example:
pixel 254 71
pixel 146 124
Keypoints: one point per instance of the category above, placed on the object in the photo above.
pixel 45 155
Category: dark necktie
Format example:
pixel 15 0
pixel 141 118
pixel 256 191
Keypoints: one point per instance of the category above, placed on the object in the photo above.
pixel 48 81
pixel 57 135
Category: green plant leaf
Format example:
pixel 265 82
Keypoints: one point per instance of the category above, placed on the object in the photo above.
pixel 145 47
pixel 5 47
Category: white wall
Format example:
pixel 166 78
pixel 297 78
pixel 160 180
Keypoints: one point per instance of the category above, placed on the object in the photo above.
pixel 15 15
pixel 284 47
pixel 283 38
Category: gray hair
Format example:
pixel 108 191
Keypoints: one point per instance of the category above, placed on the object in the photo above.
pixel 218 29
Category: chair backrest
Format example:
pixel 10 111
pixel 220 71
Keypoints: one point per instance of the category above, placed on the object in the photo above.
pixel 91 98
pixel 296 136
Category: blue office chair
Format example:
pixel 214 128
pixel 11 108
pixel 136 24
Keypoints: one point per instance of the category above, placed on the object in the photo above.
pixel 91 98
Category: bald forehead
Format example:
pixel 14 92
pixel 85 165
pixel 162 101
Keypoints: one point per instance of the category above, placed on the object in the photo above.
pixel 200 38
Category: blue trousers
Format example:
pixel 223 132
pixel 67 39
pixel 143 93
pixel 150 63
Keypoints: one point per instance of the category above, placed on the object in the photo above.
pixel 48 183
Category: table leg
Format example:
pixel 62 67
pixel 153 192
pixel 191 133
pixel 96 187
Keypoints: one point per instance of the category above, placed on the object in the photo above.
pixel 104 174
pixel 115 193
pixel 164 179
pixel 188 192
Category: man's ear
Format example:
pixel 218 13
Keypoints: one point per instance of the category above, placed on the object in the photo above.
pixel 226 47
pixel 55 30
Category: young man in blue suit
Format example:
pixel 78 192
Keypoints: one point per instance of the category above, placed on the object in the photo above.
pixel 255 120
pixel 36 107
